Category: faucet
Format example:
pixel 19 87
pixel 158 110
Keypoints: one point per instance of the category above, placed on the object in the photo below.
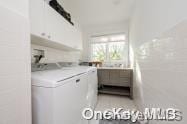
pixel 37 58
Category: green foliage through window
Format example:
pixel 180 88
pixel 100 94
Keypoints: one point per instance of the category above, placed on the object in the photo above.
pixel 99 52
pixel 109 48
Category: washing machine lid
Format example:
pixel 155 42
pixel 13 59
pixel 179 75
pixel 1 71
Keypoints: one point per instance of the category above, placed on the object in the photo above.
pixel 71 65
pixel 88 68
pixel 81 68
pixel 53 78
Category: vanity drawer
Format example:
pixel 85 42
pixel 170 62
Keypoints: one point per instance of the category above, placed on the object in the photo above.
pixel 120 82
pixel 124 73
pixel 124 82
pixel 103 76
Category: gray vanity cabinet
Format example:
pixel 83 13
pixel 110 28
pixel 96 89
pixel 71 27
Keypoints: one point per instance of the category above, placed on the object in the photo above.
pixel 119 77
pixel 115 81
pixel 104 76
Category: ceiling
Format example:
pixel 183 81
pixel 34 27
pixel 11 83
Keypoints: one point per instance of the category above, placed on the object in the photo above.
pixel 97 12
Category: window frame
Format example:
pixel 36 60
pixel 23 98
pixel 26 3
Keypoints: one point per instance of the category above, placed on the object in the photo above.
pixel 108 60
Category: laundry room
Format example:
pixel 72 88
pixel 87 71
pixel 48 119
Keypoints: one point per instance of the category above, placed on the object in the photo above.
pixel 93 62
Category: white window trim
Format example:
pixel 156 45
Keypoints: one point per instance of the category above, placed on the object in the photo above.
pixel 107 49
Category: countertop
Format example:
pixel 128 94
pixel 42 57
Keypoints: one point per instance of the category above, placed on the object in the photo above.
pixel 115 68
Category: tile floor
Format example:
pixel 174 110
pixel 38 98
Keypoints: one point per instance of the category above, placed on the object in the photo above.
pixel 112 101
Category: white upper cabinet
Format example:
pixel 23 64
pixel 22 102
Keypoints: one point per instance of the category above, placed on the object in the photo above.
pixel 37 17
pixel 56 26
pixel 77 39
pixel 47 24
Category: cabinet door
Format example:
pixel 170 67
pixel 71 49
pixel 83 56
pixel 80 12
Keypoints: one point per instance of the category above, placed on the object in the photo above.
pixel 77 39
pixel 114 78
pixel 52 23
pixel 56 27
pixel 73 35
pixel 49 24
pixel 104 78
pixel 60 30
pixel 37 17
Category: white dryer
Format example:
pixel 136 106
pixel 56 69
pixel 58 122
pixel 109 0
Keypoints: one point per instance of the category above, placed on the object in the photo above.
pixel 92 87
pixel 59 96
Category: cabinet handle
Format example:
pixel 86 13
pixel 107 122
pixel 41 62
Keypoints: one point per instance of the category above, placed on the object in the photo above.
pixel 78 80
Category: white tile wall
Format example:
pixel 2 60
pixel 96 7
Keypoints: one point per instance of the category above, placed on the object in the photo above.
pixel 163 64
pixel 161 82
pixel 19 6
pixel 15 86
pixel 158 37
pixel 54 55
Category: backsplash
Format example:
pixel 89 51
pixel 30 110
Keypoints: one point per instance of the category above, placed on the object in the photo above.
pixel 54 55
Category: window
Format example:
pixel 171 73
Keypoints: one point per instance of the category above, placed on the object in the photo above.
pixel 99 52
pixel 109 48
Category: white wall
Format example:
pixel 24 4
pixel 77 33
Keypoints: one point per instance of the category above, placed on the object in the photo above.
pixel 18 6
pixel 121 27
pixel 15 86
pixel 158 38
pixel 54 55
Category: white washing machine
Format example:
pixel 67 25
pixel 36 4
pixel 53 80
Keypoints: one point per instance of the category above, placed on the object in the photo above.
pixel 59 96
pixel 92 80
